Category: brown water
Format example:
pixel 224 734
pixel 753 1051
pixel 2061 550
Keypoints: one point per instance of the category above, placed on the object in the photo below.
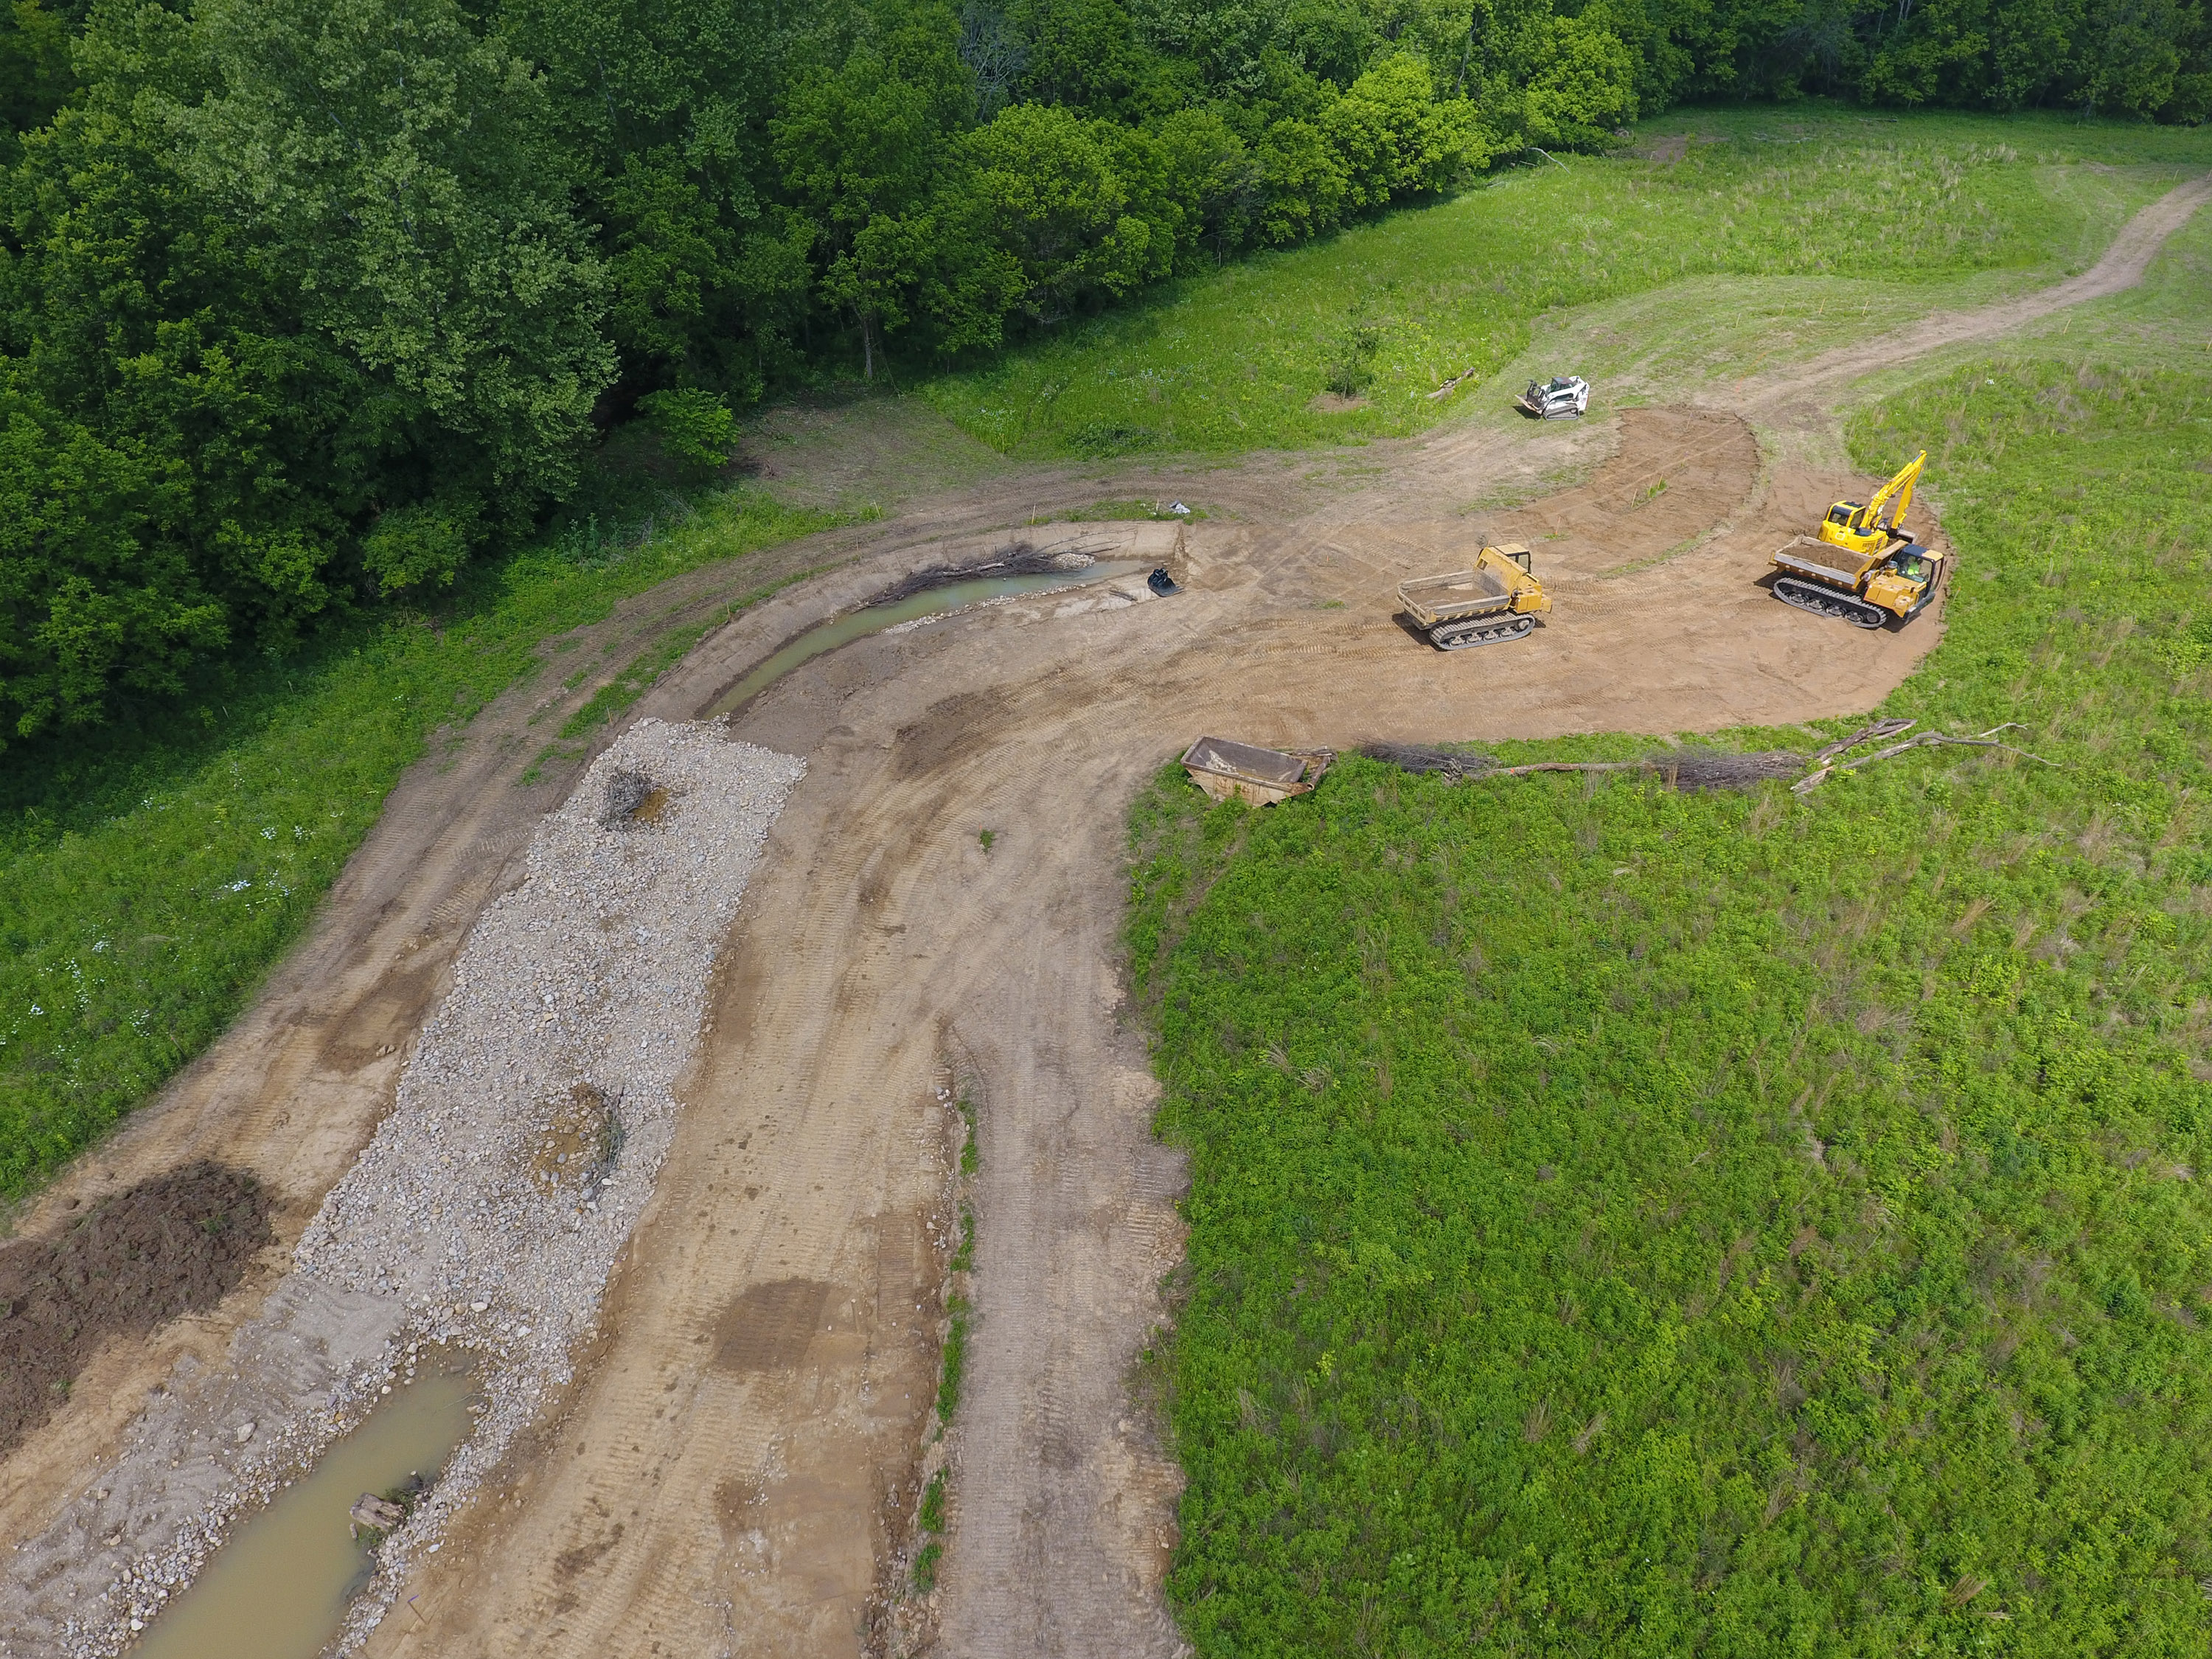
pixel 929 602
pixel 279 1588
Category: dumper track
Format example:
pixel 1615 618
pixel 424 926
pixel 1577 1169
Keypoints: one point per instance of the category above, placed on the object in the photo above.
pixel 1484 630
pixel 1826 602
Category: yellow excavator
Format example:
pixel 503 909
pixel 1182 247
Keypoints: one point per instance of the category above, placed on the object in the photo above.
pixel 1862 565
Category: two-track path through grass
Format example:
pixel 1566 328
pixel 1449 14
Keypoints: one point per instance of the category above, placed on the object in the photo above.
pixel 700 1494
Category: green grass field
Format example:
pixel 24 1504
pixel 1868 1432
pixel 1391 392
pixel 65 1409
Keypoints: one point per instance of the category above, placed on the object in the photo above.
pixel 1876 209
pixel 149 875
pixel 1632 1222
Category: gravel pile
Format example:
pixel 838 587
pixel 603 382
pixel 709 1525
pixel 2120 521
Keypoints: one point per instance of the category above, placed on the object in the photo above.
pixel 489 1207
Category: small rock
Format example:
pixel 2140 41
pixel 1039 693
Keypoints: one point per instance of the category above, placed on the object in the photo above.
pixel 244 1432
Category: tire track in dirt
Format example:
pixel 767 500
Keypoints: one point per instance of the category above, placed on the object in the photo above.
pixel 679 1505
pixel 906 941
pixel 1798 394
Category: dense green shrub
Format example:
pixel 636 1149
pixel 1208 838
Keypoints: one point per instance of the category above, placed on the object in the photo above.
pixel 281 272
pixel 695 428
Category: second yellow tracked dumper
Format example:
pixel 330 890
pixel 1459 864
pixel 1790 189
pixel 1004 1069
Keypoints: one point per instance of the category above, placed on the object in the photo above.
pixel 1497 599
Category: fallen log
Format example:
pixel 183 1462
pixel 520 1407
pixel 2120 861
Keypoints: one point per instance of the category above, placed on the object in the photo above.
pixel 1573 766
pixel 1681 770
pixel 1885 728
pixel 1925 740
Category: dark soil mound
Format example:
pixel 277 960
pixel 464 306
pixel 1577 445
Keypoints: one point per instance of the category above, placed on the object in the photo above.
pixel 175 1244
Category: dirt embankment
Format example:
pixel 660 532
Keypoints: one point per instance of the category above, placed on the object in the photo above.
pixel 174 1244
pixel 729 1470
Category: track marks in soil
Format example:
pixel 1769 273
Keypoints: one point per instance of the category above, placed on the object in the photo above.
pixel 383 1019
pixel 770 1327
pixel 806 1135
pixel 294 1089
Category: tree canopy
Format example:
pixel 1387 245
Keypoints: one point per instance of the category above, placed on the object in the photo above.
pixel 302 307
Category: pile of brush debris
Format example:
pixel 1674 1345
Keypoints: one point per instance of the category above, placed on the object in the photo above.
pixel 1700 769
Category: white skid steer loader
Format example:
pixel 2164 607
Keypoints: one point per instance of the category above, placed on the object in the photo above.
pixel 1556 398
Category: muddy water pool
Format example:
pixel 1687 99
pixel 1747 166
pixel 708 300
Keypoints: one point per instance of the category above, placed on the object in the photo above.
pixel 279 1588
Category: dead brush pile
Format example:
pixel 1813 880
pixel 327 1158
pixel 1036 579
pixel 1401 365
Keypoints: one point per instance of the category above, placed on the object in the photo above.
pixel 1689 770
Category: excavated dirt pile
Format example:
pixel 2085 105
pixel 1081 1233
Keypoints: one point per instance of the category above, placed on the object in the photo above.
pixel 175 1244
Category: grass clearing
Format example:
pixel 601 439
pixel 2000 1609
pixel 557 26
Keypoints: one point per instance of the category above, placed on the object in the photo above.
pixel 1629 1223
pixel 149 875
pixel 1865 212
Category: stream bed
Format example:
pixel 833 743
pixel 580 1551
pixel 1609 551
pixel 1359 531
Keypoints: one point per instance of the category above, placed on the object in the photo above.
pixel 279 1588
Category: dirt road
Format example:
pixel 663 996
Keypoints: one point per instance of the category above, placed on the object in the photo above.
pixel 734 1468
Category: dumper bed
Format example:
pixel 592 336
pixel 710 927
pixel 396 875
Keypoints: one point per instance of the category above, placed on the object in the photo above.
pixel 1496 599
pixel 1454 597
pixel 1224 768
pixel 1808 555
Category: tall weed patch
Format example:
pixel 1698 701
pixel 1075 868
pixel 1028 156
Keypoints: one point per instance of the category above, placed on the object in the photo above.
pixel 1633 1223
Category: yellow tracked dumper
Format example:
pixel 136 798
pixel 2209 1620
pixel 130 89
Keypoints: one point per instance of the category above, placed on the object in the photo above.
pixel 1498 600
pixel 1862 567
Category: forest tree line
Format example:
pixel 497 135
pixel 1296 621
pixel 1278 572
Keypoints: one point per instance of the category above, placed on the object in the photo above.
pixel 305 303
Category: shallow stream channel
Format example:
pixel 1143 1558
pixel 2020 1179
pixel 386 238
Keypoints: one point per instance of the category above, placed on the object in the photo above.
pixel 280 1587
pixel 919 607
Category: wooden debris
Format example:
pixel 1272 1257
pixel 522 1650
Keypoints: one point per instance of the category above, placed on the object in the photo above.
pixel 1713 770
pixel 1681 769
pixel 379 1514
pixel 1924 740
pixel 1574 766
pixel 1888 728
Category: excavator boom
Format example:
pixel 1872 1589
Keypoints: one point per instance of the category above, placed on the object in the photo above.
pixel 1901 487
pixel 1866 530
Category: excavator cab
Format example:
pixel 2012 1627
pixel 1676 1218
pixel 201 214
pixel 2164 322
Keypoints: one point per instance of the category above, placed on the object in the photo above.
pixel 1862 527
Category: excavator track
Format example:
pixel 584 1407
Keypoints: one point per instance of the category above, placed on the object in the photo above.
pixel 1482 630
pixel 1827 602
